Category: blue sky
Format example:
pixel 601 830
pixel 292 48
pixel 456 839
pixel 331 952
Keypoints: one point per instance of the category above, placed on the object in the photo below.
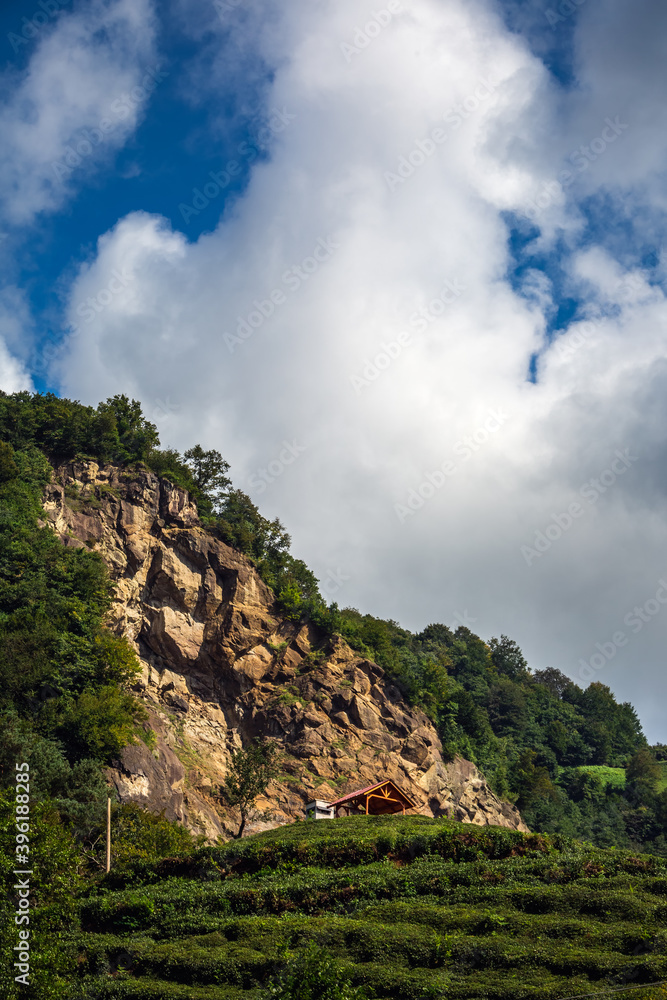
pixel 436 239
pixel 179 138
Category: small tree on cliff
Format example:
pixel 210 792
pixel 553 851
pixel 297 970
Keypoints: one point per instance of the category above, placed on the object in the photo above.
pixel 209 472
pixel 250 771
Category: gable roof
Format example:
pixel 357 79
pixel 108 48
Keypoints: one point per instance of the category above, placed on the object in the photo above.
pixel 370 788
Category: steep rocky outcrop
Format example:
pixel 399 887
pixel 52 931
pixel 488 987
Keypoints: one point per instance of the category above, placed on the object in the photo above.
pixel 220 666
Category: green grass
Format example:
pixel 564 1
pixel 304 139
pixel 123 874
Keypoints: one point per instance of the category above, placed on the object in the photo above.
pixel 614 776
pixel 413 907
pixel 662 784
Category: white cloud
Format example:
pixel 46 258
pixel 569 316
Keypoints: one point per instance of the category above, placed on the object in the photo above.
pixel 16 329
pixel 74 105
pixel 391 249
pixel 13 375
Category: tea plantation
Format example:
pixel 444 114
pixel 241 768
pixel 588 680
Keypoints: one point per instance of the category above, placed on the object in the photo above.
pixel 409 907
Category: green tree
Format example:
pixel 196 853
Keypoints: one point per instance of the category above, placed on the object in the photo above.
pixel 8 467
pixel 643 769
pixel 241 525
pixel 507 707
pixel 55 881
pixel 508 658
pixel 99 723
pixel 209 472
pixel 558 683
pixel 78 792
pixel 530 780
pixel 122 434
pixel 471 663
pixel 250 772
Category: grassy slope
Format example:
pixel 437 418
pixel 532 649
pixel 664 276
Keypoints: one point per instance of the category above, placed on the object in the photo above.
pixel 616 775
pixel 662 784
pixel 608 775
pixel 416 907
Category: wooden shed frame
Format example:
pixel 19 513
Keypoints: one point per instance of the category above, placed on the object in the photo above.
pixel 380 799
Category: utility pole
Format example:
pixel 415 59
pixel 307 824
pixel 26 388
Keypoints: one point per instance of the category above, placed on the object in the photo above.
pixel 109 833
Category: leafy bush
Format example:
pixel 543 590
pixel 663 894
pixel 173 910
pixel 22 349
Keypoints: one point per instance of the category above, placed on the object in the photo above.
pixel 98 723
pixel 313 975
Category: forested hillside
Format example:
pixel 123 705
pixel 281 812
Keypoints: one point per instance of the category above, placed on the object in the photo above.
pixel 574 760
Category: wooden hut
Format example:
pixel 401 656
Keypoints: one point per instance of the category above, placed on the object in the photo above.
pixel 376 800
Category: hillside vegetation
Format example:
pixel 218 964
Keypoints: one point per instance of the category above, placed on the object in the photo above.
pixel 539 738
pixel 407 908
pixel 575 762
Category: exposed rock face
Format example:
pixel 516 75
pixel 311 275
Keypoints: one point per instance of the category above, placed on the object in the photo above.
pixel 220 666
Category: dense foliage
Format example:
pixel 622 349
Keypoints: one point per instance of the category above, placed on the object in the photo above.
pixel 65 710
pixel 60 668
pixel 406 908
pixel 312 974
pixel 115 431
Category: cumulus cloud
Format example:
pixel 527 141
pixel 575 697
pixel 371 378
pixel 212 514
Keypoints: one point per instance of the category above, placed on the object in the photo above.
pixel 81 95
pixel 13 375
pixel 355 303
pixel 16 328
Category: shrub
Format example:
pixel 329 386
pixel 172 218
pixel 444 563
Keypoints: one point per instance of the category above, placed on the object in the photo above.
pixel 313 975
pixel 99 723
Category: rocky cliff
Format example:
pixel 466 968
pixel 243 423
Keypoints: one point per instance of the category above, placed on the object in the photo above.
pixel 221 666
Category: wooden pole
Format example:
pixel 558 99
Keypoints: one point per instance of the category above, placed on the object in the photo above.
pixel 109 833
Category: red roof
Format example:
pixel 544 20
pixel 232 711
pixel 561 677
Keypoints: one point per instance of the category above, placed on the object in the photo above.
pixel 369 788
